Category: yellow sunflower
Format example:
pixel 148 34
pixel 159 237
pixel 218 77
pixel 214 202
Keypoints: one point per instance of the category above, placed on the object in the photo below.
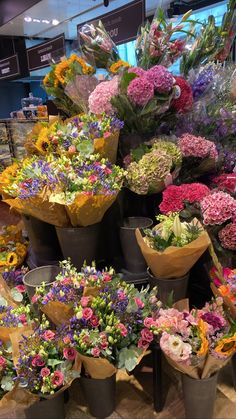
pixel 12 259
pixel 46 79
pixel 115 67
pixel 21 249
pixel 43 143
pixel 226 346
pixel 7 175
pixel 204 342
pixel 60 71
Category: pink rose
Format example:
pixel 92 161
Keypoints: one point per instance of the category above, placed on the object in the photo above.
pixel 69 353
pixel 139 302
pixel 147 335
pixel 20 288
pixel 3 362
pixel 123 329
pixel 106 277
pixel 95 352
pixel 121 295
pixel 94 321
pixel 148 322
pixel 87 313
pixel 104 345
pixel 23 318
pixel 48 335
pixel 45 372
pixel 143 344
pixel 57 378
pixel 66 340
pixel 34 299
pixel 38 361
pixel 84 301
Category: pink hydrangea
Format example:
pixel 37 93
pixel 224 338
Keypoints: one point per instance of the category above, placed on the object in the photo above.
pixel 217 208
pixel 227 236
pixel 100 98
pixel 137 70
pixel 140 91
pixel 192 146
pixel 161 78
pixel 174 197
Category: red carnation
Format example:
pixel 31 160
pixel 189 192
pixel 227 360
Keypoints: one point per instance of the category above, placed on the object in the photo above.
pixel 183 100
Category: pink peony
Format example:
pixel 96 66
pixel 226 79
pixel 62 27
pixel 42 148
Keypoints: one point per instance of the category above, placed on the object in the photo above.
pixel 100 98
pixel 147 335
pixel 57 378
pixel 95 352
pixel 140 91
pixel 48 335
pixel 69 353
pixel 84 301
pixel 137 70
pixel 217 208
pixel 227 236
pixel 87 313
pixel 94 321
pixel 192 146
pixel 174 197
pixel 20 288
pixel 38 361
pixel 161 78
pixel 139 302
pixel 3 363
pixel 123 329
pixel 45 372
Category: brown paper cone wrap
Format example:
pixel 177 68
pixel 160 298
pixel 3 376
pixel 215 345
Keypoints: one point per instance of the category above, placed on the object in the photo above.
pixel 182 305
pixel 97 367
pixel 6 293
pixel 87 210
pixel 15 338
pixel 212 365
pixel 227 302
pixel 59 313
pixel 107 147
pixel 5 332
pixel 39 207
pixel 174 262
pixel 90 291
pixel 17 399
pixel 191 371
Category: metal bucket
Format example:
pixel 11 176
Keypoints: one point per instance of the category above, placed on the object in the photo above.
pixel 177 287
pixel 100 395
pixel 37 276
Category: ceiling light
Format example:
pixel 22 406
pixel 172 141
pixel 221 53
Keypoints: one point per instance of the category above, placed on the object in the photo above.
pixel 45 21
pixel 37 20
pixel 28 19
pixel 55 22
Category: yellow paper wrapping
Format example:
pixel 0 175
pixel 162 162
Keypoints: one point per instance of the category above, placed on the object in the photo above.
pixel 59 313
pixel 174 262
pixel 39 207
pixel 107 147
pixel 227 302
pixel 97 367
pixel 87 210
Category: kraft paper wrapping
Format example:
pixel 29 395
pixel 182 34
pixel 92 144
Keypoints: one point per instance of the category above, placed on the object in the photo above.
pixel 6 332
pixel 16 400
pixel 182 305
pixel 192 371
pixel 227 302
pixel 5 292
pixel 87 210
pixel 97 367
pixel 213 365
pixel 59 313
pixel 174 262
pixel 90 291
pixel 39 207
pixel 107 147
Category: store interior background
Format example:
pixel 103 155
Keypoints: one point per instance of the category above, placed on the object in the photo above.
pixel 33 33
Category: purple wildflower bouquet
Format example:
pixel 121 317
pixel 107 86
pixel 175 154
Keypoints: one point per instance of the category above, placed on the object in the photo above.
pixel 12 319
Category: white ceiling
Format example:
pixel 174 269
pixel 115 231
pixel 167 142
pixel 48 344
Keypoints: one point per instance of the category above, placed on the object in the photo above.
pixel 68 12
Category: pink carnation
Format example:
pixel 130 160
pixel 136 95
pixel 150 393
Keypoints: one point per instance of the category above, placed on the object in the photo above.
pixel 174 197
pixel 217 208
pixel 57 378
pixel 140 91
pixel 161 78
pixel 227 236
pixel 192 146
pixel 137 70
pixel 100 98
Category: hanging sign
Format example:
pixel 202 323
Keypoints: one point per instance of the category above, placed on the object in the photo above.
pixel 41 55
pixel 9 67
pixel 122 24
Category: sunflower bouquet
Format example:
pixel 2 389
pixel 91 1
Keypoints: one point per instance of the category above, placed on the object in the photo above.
pixel 13 248
pixel 58 80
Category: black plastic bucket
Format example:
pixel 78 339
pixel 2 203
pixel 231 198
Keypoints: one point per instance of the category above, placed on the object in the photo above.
pixel 100 395
pixel 177 287
pixel 134 259
pixel 199 396
pixel 43 240
pixel 79 243
pixel 47 409
pixel 37 276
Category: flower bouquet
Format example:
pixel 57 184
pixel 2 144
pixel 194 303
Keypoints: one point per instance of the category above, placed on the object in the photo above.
pixel 150 169
pixel 86 188
pixel 199 156
pixel 173 247
pixel 224 285
pixel 65 75
pixel 7 382
pixel 12 254
pixel 27 187
pixel 97 45
pixel 11 286
pixel 13 319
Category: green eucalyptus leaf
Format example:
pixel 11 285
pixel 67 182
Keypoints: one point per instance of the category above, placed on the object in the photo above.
pixel 7 383
pixel 16 295
pixel 54 362
pixel 3 302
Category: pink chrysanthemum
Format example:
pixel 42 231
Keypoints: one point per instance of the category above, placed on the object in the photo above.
pixel 174 197
pixel 100 98
pixel 161 78
pixel 137 70
pixel 140 91
pixel 192 146
pixel 227 236
pixel 217 208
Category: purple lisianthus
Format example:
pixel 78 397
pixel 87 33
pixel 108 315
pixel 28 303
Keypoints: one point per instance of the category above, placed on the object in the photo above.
pixel 213 320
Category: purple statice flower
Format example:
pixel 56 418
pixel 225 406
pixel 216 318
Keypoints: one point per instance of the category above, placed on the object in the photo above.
pixel 203 81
